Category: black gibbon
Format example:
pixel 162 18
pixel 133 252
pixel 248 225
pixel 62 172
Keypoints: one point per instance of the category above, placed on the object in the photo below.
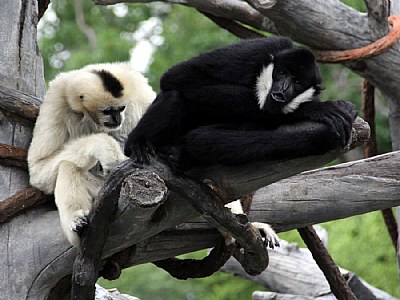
pixel 222 107
pixel 83 114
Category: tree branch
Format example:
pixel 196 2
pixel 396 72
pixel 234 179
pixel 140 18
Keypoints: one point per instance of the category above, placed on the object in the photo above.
pixel 338 284
pixel 19 106
pixel 13 156
pixel 285 275
pixel 21 201
pixel 229 9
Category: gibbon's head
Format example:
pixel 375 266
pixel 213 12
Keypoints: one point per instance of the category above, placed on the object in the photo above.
pixel 291 79
pixel 99 96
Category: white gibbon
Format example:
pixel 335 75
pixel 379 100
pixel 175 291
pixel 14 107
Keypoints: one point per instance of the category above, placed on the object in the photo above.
pixel 74 145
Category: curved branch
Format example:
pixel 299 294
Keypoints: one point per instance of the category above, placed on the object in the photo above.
pixel 19 106
pixel 229 9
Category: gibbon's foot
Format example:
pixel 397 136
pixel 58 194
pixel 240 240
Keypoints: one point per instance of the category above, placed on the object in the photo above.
pixel 139 150
pixel 79 223
pixel 270 238
pixel 268 235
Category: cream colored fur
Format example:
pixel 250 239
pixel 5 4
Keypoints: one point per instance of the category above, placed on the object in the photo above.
pixel 70 137
pixel 269 235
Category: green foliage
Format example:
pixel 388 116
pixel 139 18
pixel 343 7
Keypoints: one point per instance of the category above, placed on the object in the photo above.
pixel 186 33
pixel 65 47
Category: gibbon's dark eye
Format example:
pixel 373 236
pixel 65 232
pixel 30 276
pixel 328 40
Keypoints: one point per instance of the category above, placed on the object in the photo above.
pixel 121 108
pixel 81 97
pixel 295 80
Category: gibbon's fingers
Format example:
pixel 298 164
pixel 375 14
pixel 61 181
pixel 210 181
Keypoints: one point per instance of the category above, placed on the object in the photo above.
pixel 344 115
pixel 270 237
pixel 79 223
pixel 340 126
pixel 150 148
pixel 140 154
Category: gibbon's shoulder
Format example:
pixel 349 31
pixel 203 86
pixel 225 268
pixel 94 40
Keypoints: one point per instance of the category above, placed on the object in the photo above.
pixel 239 62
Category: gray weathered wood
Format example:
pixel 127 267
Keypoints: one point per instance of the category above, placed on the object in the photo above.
pixel 293 272
pixel 21 69
pixel 49 251
pixel 331 193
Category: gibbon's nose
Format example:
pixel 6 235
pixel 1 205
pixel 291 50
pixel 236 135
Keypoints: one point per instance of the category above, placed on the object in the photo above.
pixel 278 97
pixel 114 120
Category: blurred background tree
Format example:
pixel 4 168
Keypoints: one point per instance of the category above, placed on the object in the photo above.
pixel 156 36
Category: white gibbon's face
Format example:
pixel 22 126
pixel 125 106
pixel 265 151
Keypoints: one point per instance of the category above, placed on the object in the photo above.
pixel 98 95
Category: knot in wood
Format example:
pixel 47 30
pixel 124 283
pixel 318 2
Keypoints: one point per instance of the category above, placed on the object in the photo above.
pixel 144 188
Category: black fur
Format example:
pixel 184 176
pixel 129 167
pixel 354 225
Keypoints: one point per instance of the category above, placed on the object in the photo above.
pixel 208 109
pixel 110 83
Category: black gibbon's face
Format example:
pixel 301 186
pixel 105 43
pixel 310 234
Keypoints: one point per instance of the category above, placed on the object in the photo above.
pixel 291 79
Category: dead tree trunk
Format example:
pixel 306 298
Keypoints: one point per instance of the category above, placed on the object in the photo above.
pixel 21 69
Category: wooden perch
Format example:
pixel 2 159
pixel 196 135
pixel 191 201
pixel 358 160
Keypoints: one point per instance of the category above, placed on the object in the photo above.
pixel 13 156
pixel 289 266
pixel 141 220
pixel 254 258
pixel 19 106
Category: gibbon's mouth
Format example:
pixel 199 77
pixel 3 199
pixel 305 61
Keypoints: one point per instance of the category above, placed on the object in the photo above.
pixel 111 126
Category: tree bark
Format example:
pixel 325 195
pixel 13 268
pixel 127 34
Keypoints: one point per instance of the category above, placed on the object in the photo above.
pixel 21 69
pixel 285 277
pixel 50 252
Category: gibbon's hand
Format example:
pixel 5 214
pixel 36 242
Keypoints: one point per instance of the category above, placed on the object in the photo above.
pixel 139 150
pixel 337 114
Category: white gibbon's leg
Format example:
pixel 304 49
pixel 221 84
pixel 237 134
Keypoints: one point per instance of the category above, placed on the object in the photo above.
pixel 75 186
pixel 73 200
pixel 271 238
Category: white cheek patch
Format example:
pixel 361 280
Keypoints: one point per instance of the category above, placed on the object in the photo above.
pixel 306 96
pixel 264 84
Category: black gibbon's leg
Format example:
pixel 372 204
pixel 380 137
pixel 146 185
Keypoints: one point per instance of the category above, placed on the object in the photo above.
pixel 215 144
pixel 161 123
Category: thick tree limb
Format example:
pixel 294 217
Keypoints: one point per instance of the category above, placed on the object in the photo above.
pixel 338 284
pixel 13 156
pixel 293 274
pixel 19 106
pixel 130 227
pixel 254 258
pixel 21 201
pixel 231 9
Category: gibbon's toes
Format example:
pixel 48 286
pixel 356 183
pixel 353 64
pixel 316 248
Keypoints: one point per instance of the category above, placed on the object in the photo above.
pixel 79 223
pixel 271 239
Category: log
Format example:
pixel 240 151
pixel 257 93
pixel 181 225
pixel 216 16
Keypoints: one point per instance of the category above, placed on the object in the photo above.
pixel 151 246
pixel 347 189
pixel 41 256
pixel 19 106
pixel 293 274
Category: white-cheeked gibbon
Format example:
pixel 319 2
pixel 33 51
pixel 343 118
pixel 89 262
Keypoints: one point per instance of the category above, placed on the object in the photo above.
pixel 74 145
